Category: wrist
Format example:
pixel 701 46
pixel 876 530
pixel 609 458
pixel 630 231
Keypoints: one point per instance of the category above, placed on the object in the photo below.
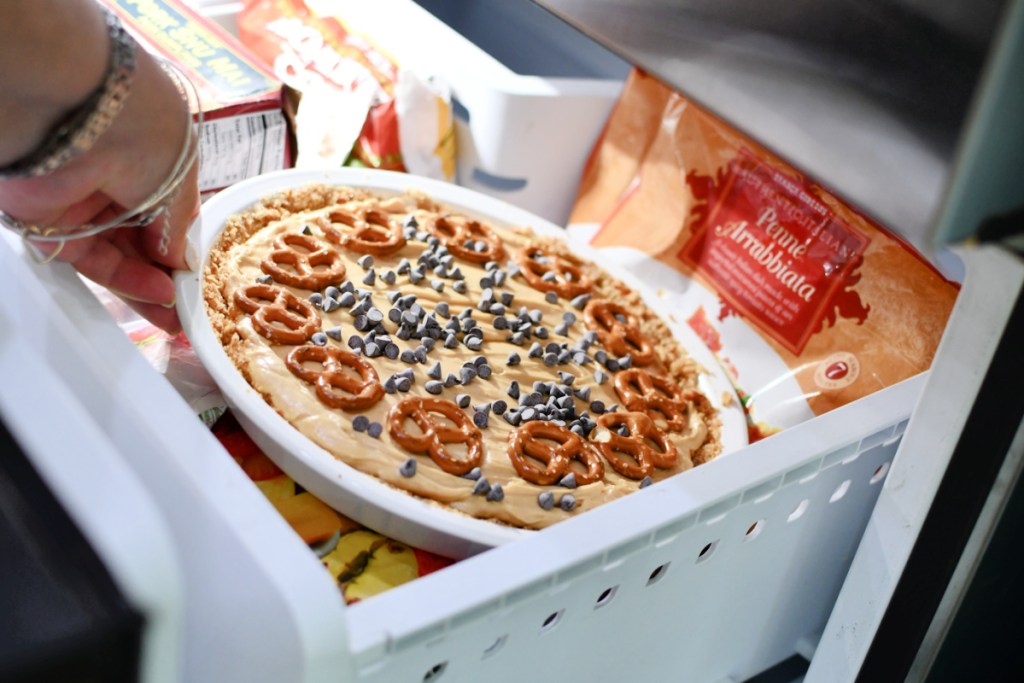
pixel 59 133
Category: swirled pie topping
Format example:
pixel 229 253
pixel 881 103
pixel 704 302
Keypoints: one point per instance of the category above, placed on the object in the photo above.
pixel 454 357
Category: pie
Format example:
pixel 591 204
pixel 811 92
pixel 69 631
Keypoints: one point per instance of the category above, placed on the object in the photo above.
pixel 467 362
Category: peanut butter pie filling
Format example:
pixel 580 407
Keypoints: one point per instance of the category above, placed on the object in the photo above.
pixel 467 362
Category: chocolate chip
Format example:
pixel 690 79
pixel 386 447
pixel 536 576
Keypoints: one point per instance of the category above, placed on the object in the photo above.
pixel 513 359
pixel 645 482
pixel 551 298
pixel 375 429
pixel 481 486
pixel 480 419
pixel 546 500
pixel 462 400
pixel 319 338
pixel 408 468
pixel 264 279
pixel 370 277
pixel 473 474
pixel 597 406
pixel 600 376
pixel 434 387
pixel 567 502
pixel 568 481
pixel 360 423
pixel 334 333
pixel 435 371
pixel 496 494
pixel 499 407
pixel 580 302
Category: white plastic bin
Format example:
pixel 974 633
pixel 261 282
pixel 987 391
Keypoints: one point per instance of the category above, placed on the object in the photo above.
pixel 527 119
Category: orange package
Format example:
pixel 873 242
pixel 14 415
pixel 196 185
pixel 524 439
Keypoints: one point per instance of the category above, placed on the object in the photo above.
pixel 785 283
pixel 305 48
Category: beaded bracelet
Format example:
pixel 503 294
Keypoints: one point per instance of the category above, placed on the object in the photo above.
pixel 78 131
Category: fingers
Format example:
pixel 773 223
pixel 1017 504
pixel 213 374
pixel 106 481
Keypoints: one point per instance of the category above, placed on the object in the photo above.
pixel 113 259
pixel 166 318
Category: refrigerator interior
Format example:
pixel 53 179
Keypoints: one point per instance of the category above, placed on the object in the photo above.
pixel 720 575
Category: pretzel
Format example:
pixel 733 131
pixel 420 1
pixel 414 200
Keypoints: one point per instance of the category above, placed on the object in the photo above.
pixel 643 392
pixel 434 435
pixel 640 457
pixel 364 231
pixel 303 272
pixel 569 279
pixel 356 393
pixel 456 231
pixel 617 329
pixel 277 314
pixel 525 445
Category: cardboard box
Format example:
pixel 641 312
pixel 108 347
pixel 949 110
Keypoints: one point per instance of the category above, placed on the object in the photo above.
pixel 245 129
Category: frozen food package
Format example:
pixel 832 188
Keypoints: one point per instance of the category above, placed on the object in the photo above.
pixel 245 125
pixel 806 302
pixel 354 98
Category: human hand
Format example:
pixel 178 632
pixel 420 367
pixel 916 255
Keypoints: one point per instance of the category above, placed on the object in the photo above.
pixel 128 162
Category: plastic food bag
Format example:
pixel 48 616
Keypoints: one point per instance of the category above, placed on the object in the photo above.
pixel 357 106
pixel 806 302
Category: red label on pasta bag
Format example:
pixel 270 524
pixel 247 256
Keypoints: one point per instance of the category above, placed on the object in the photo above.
pixel 776 253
